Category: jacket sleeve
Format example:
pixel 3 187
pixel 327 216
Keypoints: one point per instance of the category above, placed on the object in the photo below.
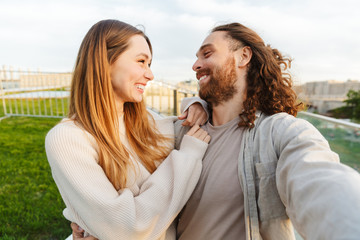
pixel 321 195
pixel 95 205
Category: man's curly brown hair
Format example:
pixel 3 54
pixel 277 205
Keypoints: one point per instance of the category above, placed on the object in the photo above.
pixel 269 86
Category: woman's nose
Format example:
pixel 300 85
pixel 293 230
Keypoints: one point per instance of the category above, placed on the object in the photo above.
pixel 149 75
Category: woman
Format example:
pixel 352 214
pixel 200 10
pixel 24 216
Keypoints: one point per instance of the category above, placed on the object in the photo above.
pixel 114 166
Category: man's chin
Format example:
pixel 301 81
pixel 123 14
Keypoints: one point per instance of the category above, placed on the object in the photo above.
pixel 211 100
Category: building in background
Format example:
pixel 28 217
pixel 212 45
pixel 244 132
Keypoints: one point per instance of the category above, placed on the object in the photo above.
pixel 191 85
pixel 325 95
pixel 17 80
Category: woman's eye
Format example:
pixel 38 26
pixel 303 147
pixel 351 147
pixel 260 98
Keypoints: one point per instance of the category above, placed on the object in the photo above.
pixel 144 62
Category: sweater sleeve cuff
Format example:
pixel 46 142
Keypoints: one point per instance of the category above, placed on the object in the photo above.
pixel 193 146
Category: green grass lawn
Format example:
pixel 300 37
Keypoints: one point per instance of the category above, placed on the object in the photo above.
pixel 342 141
pixel 30 204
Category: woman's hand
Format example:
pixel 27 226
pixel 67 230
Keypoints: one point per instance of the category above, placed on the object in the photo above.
pixel 195 115
pixel 78 233
pixel 199 133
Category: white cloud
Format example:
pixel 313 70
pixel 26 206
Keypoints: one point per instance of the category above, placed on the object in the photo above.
pixel 322 36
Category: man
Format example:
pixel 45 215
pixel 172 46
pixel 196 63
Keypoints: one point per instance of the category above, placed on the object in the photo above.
pixel 264 170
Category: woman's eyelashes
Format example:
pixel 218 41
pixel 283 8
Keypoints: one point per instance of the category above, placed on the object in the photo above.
pixel 143 61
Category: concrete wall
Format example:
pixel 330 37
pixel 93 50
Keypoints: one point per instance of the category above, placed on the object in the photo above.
pixel 326 95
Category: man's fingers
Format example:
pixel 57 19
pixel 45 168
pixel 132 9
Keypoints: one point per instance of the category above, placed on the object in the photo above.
pixel 183 116
pixel 76 228
pixel 77 235
pixel 90 238
pixel 73 226
pixel 186 123
pixel 201 120
pixel 195 115
pixel 189 120
pixel 77 231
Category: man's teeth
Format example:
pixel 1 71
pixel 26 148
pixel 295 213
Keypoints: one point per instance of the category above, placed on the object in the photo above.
pixel 139 86
pixel 202 77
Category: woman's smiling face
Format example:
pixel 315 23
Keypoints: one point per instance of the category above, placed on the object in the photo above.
pixel 131 71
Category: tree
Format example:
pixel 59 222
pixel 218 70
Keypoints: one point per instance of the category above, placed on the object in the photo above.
pixel 353 102
pixel 351 109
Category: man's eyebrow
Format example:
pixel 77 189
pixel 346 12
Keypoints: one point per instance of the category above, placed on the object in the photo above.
pixel 204 46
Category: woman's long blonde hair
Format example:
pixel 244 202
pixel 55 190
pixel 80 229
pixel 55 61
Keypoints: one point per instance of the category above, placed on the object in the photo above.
pixel 92 104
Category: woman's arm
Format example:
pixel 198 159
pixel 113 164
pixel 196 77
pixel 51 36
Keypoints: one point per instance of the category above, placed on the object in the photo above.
pixel 96 206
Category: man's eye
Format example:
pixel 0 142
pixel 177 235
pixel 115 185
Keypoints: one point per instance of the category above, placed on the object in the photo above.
pixel 206 54
pixel 141 61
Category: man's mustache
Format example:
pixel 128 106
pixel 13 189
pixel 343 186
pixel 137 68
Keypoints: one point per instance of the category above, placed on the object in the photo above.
pixel 201 72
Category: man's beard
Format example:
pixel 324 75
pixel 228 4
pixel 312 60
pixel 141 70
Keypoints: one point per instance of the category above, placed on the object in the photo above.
pixel 221 85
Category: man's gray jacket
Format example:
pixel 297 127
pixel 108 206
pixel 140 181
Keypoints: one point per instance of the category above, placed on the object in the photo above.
pixel 290 176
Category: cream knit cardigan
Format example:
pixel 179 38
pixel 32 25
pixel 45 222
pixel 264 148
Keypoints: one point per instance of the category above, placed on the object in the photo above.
pixel 146 208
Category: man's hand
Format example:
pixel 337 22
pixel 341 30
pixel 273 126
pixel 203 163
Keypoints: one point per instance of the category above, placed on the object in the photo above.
pixel 199 133
pixel 195 115
pixel 78 233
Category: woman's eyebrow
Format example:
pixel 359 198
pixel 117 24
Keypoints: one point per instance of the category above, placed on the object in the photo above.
pixel 143 54
pixel 146 56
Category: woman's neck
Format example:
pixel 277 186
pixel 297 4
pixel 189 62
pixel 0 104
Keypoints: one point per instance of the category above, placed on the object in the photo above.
pixel 119 107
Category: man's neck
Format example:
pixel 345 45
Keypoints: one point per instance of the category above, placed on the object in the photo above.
pixel 227 111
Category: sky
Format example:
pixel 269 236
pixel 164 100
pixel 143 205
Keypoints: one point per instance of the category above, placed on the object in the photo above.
pixel 322 37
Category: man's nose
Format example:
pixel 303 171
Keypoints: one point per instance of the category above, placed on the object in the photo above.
pixel 196 65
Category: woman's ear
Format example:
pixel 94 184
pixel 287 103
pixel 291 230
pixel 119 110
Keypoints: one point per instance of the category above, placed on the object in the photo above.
pixel 243 56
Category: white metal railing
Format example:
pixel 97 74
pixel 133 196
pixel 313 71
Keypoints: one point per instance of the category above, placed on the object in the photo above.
pixel 343 136
pixel 335 121
pixel 44 94
pixel 165 98
pixel 36 94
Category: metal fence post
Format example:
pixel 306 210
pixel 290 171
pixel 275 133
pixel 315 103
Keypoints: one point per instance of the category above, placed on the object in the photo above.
pixel 2 93
pixel 175 102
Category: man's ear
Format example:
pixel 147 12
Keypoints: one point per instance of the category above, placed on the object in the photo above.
pixel 244 55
